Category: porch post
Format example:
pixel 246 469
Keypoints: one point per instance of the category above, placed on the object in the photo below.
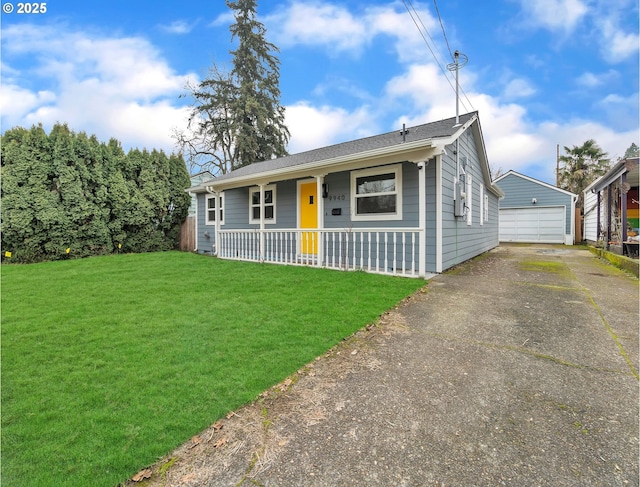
pixel 320 209
pixel 261 248
pixel 623 209
pixel 609 202
pixel 439 213
pixel 422 219
pixel 216 231
pixel 196 221
pixel 598 222
pixel 216 226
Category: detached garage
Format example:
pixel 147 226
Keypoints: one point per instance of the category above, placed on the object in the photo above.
pixel 534 211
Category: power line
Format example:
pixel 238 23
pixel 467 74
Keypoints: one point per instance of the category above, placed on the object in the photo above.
pixel 444 72
pixel 444 34
pixel 442 27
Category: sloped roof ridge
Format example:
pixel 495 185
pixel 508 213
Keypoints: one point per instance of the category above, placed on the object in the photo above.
pixel 511 172
pixel 439 128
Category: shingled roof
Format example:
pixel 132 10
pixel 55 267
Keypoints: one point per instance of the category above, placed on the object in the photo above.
pixel 429 131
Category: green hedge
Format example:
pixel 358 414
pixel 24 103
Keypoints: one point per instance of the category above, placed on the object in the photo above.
pixel 68 195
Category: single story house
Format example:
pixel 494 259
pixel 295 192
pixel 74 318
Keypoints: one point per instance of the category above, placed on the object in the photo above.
pixel 611 215
pixel 410 202
pixel 534 211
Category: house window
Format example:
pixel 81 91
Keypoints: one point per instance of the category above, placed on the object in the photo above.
pixel 376 194
pixel 269 204
pixel 215 208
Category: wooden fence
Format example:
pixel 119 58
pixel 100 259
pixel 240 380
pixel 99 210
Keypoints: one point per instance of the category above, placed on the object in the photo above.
pixel 188 234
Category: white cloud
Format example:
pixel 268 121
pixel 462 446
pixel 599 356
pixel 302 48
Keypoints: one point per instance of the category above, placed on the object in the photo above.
pixel 223 19
pixel 423 83
pixel 617 45
pixel 179 27
pixel 113 87
pixel 338 30
pixel 15 100
pixel 589 80
pixel 313 127
pixel 605 23
pixel 554 15
pixel 577 131
pixel 518 88
pixel 317 24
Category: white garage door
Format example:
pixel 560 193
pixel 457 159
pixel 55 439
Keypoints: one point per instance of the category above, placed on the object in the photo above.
pixel 543 225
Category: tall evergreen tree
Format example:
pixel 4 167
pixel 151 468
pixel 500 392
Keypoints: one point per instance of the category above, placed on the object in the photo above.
pixel 632 151
pixel 237 118
pixel 581 165
pixel 259 118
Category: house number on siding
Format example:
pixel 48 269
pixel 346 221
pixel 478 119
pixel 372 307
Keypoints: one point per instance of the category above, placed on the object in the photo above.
pixel 334 197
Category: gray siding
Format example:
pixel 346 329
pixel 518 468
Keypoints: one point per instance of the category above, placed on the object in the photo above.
pixel 205 238
pixel 460 241
pixel 340 197
pixel 237 205
pixel 520 191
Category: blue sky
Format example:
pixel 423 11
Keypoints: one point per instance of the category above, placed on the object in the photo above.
pixel 540 72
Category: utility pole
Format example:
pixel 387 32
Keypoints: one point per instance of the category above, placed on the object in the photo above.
pixel 557 164
pixel 455 66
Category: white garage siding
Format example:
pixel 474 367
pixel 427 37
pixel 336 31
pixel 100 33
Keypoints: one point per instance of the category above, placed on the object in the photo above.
pixel 536 224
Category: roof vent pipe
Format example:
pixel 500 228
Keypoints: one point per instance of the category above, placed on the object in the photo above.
pixel 404 132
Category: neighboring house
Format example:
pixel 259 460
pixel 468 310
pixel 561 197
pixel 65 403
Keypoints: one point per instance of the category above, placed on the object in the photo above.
pixel 534 211
pixel 594 215
pixel 196 179
pixel 611 208
pixel 411 202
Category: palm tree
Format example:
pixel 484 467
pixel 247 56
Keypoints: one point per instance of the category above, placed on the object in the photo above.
pixel 580 166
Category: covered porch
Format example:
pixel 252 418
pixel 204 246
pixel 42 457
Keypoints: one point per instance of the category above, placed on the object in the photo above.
pixel 617 201
pixel 380 243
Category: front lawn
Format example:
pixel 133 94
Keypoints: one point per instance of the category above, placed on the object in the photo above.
pixel 108 363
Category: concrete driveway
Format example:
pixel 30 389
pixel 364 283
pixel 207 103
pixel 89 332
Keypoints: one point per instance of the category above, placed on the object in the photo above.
pixel 519 368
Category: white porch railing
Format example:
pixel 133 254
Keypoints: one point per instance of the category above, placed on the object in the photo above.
pixel 384 251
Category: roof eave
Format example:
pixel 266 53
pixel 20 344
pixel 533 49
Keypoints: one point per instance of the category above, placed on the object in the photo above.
pixel 411 151
pixel 613 174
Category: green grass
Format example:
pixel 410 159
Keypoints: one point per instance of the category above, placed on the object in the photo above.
pixel 108 363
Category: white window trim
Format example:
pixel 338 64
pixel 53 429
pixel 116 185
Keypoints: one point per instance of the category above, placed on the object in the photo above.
pixel 256 189
pixel 397 170
pixel 469 199
pixel 219 209
pixel 486 207
pixel 481 204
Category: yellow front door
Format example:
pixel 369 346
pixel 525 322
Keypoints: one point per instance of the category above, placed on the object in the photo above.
pixel 309 217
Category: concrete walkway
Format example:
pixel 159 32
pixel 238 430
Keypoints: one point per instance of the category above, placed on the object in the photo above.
pixel 519 368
